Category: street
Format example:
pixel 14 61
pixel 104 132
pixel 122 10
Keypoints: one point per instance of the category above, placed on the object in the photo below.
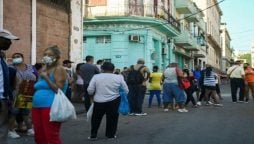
pixel 231 124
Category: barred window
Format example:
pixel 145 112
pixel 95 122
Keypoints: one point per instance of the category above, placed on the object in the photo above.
pixel 103 39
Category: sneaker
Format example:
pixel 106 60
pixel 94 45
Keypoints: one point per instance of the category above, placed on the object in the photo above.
pixel 218 105
pixel 140 114
pixel 182 110
pixel 240 101
pixel 131 114
pixel 195 106
pixel 165 110
pixel 30 132
pixel 112 138
pixel 199 103
pixel 92 138
pixel 210 102
pixel 13 134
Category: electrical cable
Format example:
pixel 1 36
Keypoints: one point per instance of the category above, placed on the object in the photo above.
pixel 168 22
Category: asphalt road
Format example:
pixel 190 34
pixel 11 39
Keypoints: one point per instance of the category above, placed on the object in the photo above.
pixel 231 124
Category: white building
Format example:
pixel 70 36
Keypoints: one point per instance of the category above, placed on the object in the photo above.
pixel 226 48
pixel 213 20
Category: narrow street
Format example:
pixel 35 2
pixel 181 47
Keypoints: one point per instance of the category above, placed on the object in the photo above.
pixel 230 124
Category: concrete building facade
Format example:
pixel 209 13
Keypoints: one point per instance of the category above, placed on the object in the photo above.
pixel 226 47
pixel 160 31
pixel 121 31
pixel 213 20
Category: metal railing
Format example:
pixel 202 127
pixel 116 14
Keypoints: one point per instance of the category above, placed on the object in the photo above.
pixel 157 12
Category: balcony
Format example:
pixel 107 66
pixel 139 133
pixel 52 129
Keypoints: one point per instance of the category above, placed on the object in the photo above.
pixel 184 39
pixel 130 10
pixel 202 25
pixel 183 6
pixel 192 18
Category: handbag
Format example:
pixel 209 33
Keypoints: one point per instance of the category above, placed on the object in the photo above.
pixel 183 82
pixel 62 109
pixel 25 94
pixel 124 108
pixel 89 113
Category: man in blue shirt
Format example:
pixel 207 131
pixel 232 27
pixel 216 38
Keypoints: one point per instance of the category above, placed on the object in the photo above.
pixel 5 91
pixel 197 75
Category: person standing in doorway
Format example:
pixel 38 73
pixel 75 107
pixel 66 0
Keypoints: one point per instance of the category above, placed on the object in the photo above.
pixel 5 91
pixel 236 74
pixel 87 71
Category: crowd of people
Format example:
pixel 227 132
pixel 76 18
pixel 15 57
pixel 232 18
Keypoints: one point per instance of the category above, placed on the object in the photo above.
pixel 99 85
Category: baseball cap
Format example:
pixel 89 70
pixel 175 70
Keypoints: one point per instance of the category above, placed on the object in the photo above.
pixel 67 61
pixel 8 35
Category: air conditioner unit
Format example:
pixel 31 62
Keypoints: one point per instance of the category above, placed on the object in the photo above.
pixel 134 38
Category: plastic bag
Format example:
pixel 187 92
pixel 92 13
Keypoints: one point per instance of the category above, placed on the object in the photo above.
pixel 62 109
pixel 124 108
pixel 89 113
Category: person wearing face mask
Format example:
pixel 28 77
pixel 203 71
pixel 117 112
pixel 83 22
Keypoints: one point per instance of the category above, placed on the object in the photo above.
pixel 25 76
pixel 52 78
pixel 5 91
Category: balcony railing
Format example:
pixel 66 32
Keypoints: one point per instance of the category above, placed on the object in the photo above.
pixel 132 10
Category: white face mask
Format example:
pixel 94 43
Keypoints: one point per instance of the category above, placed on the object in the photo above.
pixel 48 60
pixel 17 60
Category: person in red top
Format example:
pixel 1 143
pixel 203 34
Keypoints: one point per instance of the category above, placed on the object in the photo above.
pixel 249 81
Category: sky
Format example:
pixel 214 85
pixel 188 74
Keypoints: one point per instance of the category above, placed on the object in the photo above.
pixel 239 16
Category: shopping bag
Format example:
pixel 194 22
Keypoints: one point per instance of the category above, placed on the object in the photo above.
pixel 62 109
pixel 25 95
pixel 124 108
pixel 89 113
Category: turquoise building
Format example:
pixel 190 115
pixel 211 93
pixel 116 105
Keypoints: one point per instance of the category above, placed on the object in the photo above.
pixel 122 31
pixel 123 37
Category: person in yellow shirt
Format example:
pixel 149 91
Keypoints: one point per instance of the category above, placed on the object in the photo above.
pixel 155 81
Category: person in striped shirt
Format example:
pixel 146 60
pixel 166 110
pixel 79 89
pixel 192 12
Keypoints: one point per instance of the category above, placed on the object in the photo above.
pixel 210 85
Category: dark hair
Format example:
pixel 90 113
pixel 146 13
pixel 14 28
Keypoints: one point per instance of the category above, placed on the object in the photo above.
pixel 55 49
pixel 78 66
pixel 108 66
pixel 155 68
pixel 99 61
pixel 20 54
pixel 186 71
pixel 208 71
pixel 89 58
pixel 38 66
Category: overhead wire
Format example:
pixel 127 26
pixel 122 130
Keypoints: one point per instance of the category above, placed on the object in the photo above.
pixel 157 25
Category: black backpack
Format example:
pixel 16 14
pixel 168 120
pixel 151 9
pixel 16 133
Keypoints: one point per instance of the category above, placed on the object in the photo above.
pixel 135 77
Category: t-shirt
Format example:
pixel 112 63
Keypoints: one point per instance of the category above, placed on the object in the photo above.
pixel 155 83
pixel 236 71
pixel 106 87
pixel 249 75
pixel 87 71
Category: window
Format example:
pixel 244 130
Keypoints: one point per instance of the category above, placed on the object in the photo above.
pixel 84 39
pixel 103 39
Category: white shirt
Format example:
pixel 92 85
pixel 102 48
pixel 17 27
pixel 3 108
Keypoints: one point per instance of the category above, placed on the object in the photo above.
pixel 236 71
pixel 106 87
pixel 1 81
